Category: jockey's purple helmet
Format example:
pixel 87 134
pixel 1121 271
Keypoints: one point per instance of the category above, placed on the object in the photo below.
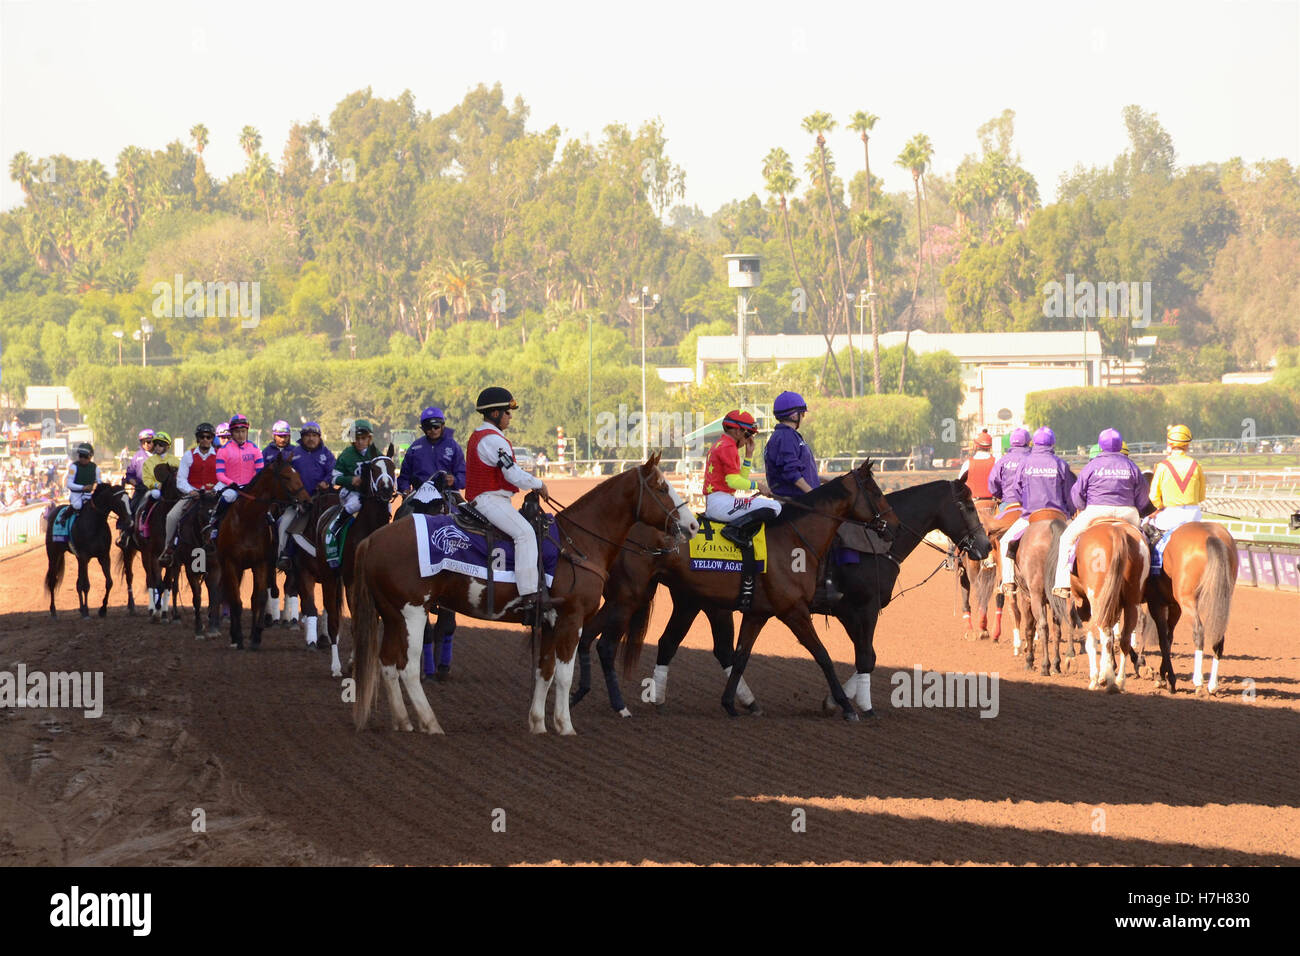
pixel 280 428
pixel 787 403
pixel 430 413
pixel 1045 437
pixel 1110 440
pixel 309 428
pixel 1020 438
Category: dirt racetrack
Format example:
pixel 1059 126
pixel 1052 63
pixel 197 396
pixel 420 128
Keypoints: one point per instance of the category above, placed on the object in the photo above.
pixel 259 749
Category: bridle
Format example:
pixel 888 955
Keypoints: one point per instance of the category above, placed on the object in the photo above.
pixel 383 481
pixel 672 526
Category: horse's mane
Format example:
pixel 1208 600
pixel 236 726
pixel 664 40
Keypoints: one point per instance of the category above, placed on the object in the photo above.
pixel 833 490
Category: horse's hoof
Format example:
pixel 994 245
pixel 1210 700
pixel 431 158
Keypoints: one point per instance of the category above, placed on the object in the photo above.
pixel 54 614
pixel 237 645
pixel 1045 670
pixel 443 675
pixel 199 635
pixel 103 612
pixel 829 707
pixel 1029 665
pixel 1201 691
pixel 754 709
pixel 625 712
pixel 1092 684
pixel 1113 688
pixel 968 636
pixel 983 635
pixel 869 713
pixel 1056 667
pixel 730 708
pixel 1146 672
pixel 851 716
pixel 1069 665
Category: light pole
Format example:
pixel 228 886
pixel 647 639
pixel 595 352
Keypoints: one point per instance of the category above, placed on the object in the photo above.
pixel 641 301
pixel 141 335
pixel 589 459
pixel 119 335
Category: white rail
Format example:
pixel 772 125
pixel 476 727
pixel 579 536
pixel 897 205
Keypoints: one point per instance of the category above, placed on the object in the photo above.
pixel 24 524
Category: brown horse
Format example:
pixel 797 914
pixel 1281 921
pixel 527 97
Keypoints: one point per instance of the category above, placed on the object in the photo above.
pixel 976 579
pixel 1200 572
pixel 378 486
pixel 194 551
pixel 88 539
pixel 1042 616
pixel 1112 561
pixel 797 543
pixel 246 536
pixel 388 586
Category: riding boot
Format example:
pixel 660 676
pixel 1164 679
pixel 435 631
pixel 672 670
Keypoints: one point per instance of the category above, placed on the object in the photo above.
pixel 827 594
pixel 741 533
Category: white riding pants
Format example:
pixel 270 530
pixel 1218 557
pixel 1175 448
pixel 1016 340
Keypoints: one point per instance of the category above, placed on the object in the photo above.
pixel 498 509
pixel 1078 526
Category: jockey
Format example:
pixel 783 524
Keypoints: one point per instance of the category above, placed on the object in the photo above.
pixel 436 453
pixel 315 466
pixel 1109 486
pixel 279 447
pixel 726 473
pixel 787 459
pixel 1177 489
pixel 83 475
pixel 1002 477
pixel 135 478
pixel 1043 481
pixel 347 469
pixel 198 473
pixel 162 443
pixel 493 476
pixel 238 462
pixel 223 435
pixel 976 469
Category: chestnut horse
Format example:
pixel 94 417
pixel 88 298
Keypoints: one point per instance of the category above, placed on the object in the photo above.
pixel 378 486
pixel 88 538
pixel 797 542
pixel 1112 563
pixel 1200 572
pixel 977 579
pixel 1042 615
pixel 388 586
pixel 245 538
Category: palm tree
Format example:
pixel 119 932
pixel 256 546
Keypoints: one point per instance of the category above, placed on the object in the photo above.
pixel 261 176
pixel 821 123
pixel 22 170
pixel 250 140
pixel 462 283
pixel 781 181
pixel 130 162
pixel 914 157
pixel 863 123
pixel 199 133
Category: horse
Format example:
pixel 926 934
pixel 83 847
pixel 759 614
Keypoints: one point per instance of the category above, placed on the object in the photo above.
pixel 804 531
pixel 439 634
pixel 976 578
pixel 388 585
pixel 89 537
pixel 1200 572
pixel 378 486
pixel 244 538
pixel 1042 615
pixel 195 552
pixel 866 586
pixel 161 582
pixel 1111 567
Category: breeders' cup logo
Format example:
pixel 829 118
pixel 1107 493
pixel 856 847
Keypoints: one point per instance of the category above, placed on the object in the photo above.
pixel 449 538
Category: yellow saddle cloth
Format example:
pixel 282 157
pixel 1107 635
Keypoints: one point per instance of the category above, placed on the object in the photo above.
pixel 710 551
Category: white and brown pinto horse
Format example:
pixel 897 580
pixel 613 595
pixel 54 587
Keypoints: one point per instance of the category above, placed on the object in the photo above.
pixel 388 587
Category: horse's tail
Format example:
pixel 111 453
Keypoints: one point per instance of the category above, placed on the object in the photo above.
pixel 365 639
pixel 54 573
pixel 1214 591
pixel 1107 611
pixel 634 640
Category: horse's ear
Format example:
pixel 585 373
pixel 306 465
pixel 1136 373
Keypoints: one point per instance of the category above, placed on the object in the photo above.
pixel 390 450
pixel 653 460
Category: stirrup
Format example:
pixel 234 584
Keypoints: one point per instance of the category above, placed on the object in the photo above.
pixel 1008 587
pixel 165 559
pixel 1062 593
pixel 739 535
pixel 284 563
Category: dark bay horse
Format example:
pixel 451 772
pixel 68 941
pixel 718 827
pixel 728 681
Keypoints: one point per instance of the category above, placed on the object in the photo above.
pixel 378 486
pixel 246 536
pixel 196 553
pixel 161 582
pixel 1200 572
pixel 89 539
pixel 388 586
pixel 797 543
pixel 1111 568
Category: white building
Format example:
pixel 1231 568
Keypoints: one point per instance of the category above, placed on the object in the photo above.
pixel 998 368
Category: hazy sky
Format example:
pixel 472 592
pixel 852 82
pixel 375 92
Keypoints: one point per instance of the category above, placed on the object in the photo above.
pixel 729 80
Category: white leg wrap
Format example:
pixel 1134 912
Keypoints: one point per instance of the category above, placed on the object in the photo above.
pixel 336 669
pixel 1092 660
pixel 743 694
pixel 661 682
pixel 1015 642
pixel 293 608
pixel 1197 657
pixel 1214 675
pixel 311 632
pixel 863 697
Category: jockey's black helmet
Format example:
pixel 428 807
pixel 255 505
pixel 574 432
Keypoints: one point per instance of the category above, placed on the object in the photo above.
pixel 491 399
pixel 205 428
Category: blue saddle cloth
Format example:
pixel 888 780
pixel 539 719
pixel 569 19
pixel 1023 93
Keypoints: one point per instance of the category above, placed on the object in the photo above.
pixel 444 546
pixel 63 519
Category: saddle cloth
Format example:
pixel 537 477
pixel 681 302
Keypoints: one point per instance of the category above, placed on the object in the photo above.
pixel 710 551
pixel 64 516
pixel 443 546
